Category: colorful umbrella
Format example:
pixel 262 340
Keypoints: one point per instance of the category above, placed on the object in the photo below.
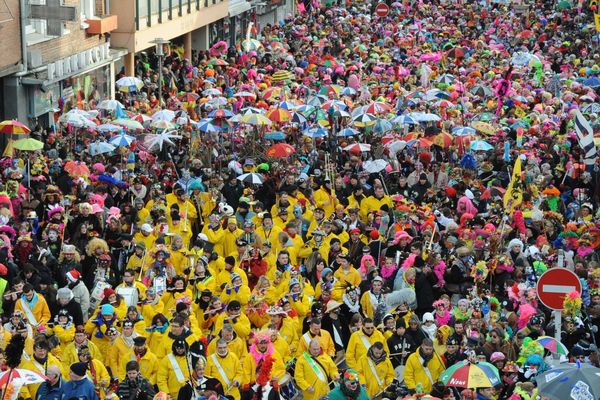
pixel 456 52
pixel 206 125
pixel 218 61
pixel 220 113
pixel 122 140
pixel 463 131
pixel 492 192
pixel 161 139
pixel 404 120
pixel 279 115
pixel 481 90
pixel 465 374
pixel 189 97
pixel 251 178
pixel 277 135
pixel 28 144
pixel 251 44
pixel 316 132
pixel 255 119
pixel 480 145
pixel 212 92
pixel 358 148
pixel 272 93
pixel 331 90
pixel 281 76
pixel 77 169
pixel 447 79
pixel 592 108
pixel 14 127
pixel 287 105
pixel 28 376
pixel 280 150
pixel 421 143
pixel 483 127
pixel 443 140
pixel 347 132
pixel 163 115
pixel 245 94
pixel 162 124
pixel 101 148
pixel 129 84
pixel 364 120
pixel 109 105
pixel 553 345
pixel 377 107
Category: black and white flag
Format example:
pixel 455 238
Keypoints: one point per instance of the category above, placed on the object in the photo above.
pixel 585 137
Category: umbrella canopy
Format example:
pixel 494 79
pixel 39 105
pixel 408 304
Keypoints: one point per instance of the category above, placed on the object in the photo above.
pixel 129 84
pixel 447 79
pixel 424 117
pixel 77 119
pixel 316 132
pixel 162 124
pixel 28 376
pixel 129 124
pixel 375 166
pixel 463 131
pixel 280 150
pixel 592 108
pixel 255 119
pixel 364 120
pixel 251 44
pixel 404 120
pixel 593 82
pixel 481 145
pixel 279 115
pixel 483 127
pixel 159 140
pixel 571 381
pixel 109 105
pixel 163 115
pixel 28 144
pixel 492 192
pixel 358 147
pixel 14 127
pixel 443 139
pixel 188 97
pixel 108 128
pixel 251 178
pixel 206 125
pixel 553 345
pixel 76 169
pixel 245 94
pixel 122 140
pixel 377 107
pixel 471 375
pixel 282 75
pixel 347 132
pixel 275 135
pixel 101 148
pixel 481 90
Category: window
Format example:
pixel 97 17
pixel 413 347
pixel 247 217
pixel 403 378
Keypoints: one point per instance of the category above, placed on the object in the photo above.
pixel 88 9
pixel 37 29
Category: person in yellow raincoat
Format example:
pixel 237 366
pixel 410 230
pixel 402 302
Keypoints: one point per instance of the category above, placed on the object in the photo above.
pixel 237 291
pixel 177 330
pixel 38 362
pixel 147 361
pixel 119 349
pixel 64 329
pixel 97 327
pixel 423 366
pixel 374 202
pixel 361 341
pixel 136 260
pixel 267 231
pixel 315 332
pixel 145 235
pixel 230 236
pixel 33 306
pixel 174 371
pixel 234 316
pixel 314 371
pixel 70 354
pixel 227 368
pixel 187 209
pixel 285 327
pixel 224 276
pixel 261 349
pixel 370 299
pixel 179 256
pixel 234 343
pixel 376 370
pixel 96 371
pixel 325 198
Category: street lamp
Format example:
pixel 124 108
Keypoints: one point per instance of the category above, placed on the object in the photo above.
pixel 159 43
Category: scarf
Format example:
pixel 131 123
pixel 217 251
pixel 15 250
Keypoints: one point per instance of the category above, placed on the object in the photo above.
pixel 376 360
pixel 258 356
pixel 429 331
pixel 442 319
pixel 354 307
pixel 461 316
pixel 129 340
pixel 426 358
pixel 387 272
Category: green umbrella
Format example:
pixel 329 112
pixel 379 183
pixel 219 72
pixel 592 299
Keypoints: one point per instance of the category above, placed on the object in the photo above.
pixel 28 144
pixel 564 5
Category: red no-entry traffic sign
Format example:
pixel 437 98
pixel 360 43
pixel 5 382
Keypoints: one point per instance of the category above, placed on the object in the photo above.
pixel 382 10
pixel 554 285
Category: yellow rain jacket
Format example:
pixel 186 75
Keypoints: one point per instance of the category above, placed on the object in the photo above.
pixel 249 368
pixel 148 365
pixel 173 373
pixel 376 377
pixel 324 339
pixel 415 373
pixel 359 344
pixel 227 370
pixel 310 374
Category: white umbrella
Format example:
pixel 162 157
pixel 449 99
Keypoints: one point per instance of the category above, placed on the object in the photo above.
pixel 375 166
pixel 163 115
pixel 109 105
pixel 252 178
pixel 109 128
pixel 101 148
pixel 212 92
pixel 77 120
pixel 159 140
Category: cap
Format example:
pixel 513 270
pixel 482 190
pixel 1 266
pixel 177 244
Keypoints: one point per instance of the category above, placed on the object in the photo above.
pixel 428 317
pixel 79 368
pixel 73 275
pixel 294 282
pixel 108 292
pixel 146 228
pixel 203 237
pixel 139 341
pixel 497 356
pixel 400 323
pixel 107 309
pixel 141 245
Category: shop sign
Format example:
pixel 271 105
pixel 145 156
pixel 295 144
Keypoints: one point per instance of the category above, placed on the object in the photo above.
pixel 77 63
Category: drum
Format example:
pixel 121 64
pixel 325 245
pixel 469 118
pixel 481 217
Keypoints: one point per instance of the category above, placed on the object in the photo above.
pixel 399 373
pixel 160 284
pixel 97 293
pixel 287 388
pixel 129 294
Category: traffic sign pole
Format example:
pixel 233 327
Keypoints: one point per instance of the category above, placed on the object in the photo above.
pixel 557 327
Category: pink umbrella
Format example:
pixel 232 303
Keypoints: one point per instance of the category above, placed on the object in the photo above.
pixel 435 57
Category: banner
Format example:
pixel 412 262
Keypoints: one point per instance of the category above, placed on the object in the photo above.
pixel 514 192
pixel 585 137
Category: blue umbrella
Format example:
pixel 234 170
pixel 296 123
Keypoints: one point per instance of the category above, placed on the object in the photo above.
pixel 316 132
pixel 463 131
pixel 348 91
pixel 275 135
pixel 405 120
pixel 206 125
pixel 122 140
pixel 288 105
pixel 224 113
pixel 347 132
pixel 481 145
pixel 382 126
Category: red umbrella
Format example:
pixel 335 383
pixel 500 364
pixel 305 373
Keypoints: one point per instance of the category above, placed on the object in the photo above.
pixel 279 115
pixel 14 127
pixel 189 97
pixel 456 52
pixel 280 150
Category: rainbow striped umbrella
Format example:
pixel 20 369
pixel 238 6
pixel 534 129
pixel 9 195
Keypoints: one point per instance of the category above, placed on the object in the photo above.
pixel 471 375
pixel 553 345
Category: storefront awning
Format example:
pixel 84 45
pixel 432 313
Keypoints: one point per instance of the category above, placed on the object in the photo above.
pixel 236 7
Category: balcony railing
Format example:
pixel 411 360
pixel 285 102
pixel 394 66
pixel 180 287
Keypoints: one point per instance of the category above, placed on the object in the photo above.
pixel 147 9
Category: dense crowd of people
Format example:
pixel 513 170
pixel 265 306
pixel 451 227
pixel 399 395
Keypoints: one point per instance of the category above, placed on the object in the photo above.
pixel 344 208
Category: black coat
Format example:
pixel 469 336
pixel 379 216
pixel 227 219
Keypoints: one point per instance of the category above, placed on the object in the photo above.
pixel 342 328
pixel 74 310
pixel 397 344
pixel 187 392
pixel 139 389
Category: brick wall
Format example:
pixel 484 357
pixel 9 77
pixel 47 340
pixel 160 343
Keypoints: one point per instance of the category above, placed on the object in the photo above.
pixel 74 42
pixel 10 34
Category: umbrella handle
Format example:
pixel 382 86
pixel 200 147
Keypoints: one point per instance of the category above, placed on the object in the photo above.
pixel 7 382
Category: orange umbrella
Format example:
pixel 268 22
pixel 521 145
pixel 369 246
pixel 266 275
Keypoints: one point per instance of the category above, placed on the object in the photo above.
pixel 443 140
pixel 411 136
pixel 76 169
pixel 14 127
pixel 279 115
pixel 422 143
pixel 272 93
pixel 280 150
